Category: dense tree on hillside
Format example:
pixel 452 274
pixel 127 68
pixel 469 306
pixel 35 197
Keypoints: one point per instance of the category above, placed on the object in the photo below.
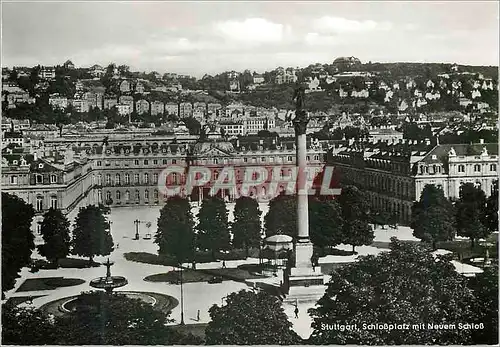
pixel 193 125
pixel 470 210
pixel 17 238
pixel 356 230
pixel 91 233
pixel 175 235
pixel 404 286
pixel 433 216
pixel 246 227
pixel 250 319
pixel 55 233
pixel 213 226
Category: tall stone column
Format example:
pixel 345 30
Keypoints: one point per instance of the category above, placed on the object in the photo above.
pixel 305 282
pixel 304 248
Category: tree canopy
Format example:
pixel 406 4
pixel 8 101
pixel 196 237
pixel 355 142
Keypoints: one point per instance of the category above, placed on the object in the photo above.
pixel 175 235
pixel 250 319
pixel 55 233
pixel 470 209
pixel 433 216
pixel 91 232
pixel 213 226
pixel 356 230
pixel 404 286
pixel 246 227
pixel 119 320
pixel 17 238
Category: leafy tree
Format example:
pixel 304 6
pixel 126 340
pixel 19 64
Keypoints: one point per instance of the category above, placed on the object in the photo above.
pixel 433 216
pixel 119 320
pixel 213 226
pixel 491 211
pixel 17 238
pixel 470 213
pixel 16 321
pixel 485 286
pixel 250 319
pixel 55 233
pixel 404 286
pixel 175 235
pixel 282 216
pixel 91 234
pixel 356 229
pixel 246 226
pixel 325 222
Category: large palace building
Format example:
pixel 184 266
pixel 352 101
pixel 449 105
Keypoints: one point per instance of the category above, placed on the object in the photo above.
pixel 394 173
pixel 129 171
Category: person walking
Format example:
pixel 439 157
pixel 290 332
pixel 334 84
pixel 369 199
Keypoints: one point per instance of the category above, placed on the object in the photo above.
pixel 198 316
pixel 296 312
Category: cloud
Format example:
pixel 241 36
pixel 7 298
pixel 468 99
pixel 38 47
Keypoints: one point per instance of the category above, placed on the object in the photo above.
pixel 251 30
pixel 337 25
pixel 315 39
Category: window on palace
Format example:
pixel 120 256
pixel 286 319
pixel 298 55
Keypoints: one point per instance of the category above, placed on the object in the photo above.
pixel 146 195
pixel 155 162
pixel 99 163
pixel 245 160
pixel 155 178
pixel 289 158
pixel 13 179
pixel 118 195
pixel 263 159
pixel 174 177
pixel 461 168
pixel 316 157
pixel 493 167
pixel 117 179
pixel 127 195
pixel 477 168
pixel 39 179
pixel 308 158
pixel 108 196
pixel 146 162
pixel 216 161
pixel 99 179
pixel 146 178
pixel 136 162
pixel 127 178
pixel 164 161
pixel 174 161
pixel 155 194
pixel 216 174
pixel 137 195
pixel 136 178
pixel 53 202
pixel 108 179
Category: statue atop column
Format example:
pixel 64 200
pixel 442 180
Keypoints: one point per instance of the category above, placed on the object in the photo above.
pixel 300 121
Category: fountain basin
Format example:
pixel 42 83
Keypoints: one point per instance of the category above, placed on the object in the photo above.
pixel 108 282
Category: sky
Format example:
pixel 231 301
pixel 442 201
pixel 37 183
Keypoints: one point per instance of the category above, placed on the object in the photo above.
pixel 211 37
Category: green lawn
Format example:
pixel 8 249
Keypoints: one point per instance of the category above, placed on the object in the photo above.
pixel 48 283
pixel 20 299
pixel 189 275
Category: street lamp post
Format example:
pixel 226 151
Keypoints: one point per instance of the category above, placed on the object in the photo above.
pixel 137 222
